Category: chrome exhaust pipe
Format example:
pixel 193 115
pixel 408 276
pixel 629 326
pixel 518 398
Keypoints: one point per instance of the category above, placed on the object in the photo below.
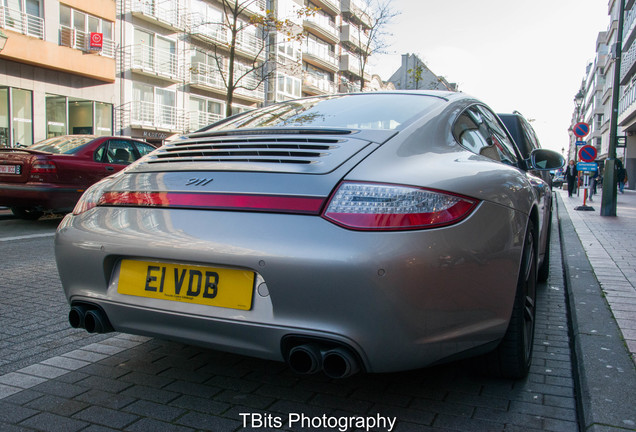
pixel 76 316
pixel 339 363
pixel 95 321
pixel 304 359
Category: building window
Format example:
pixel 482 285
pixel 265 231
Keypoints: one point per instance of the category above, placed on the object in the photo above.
pixel 22 117
pixel 76 26
pixel 77 116
pixel 55 116
pixel 287 87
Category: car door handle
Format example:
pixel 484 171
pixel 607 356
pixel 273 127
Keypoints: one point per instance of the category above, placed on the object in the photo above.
pixel 109 168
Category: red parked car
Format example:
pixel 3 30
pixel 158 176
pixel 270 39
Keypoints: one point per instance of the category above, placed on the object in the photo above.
pixel 51 175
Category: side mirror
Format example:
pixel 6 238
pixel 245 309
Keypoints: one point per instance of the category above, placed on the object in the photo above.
pixel 545 160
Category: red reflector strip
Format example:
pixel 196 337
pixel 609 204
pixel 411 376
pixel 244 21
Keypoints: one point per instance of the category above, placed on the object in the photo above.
pixel 215 201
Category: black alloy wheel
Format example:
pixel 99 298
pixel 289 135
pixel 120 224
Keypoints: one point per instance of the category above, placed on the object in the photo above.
pixel 512 357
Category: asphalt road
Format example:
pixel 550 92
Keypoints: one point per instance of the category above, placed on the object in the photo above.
pixel 53 377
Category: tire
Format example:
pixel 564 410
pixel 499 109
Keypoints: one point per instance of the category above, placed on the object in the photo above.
pixel 26 214
pixel 513 355
pixel 544 269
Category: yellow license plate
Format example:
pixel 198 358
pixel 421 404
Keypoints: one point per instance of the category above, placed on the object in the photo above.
pixel 187 283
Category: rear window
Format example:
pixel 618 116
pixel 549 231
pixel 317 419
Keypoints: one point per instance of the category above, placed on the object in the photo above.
pixel 62 144
pixel 364 111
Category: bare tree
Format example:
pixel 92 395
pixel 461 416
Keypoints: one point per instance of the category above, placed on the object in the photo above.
pixel 375 39
pixel 242 19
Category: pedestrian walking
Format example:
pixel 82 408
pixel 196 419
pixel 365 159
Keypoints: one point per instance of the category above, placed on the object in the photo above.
pixel 571 175
pixel 621 175
pixel 593 181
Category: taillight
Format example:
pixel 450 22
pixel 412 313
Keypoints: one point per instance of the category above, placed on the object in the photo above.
pixel 372 206
pixel 43 167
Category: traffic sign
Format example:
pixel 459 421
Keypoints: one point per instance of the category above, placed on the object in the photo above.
pixel 581 129
pixel 586 166
pixel 587 153
pixel 581 143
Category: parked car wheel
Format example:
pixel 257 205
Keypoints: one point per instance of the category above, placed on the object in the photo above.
pixel 26 214
pixel 513 356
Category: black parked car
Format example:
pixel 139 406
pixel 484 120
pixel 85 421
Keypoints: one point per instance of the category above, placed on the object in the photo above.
pixel 526 141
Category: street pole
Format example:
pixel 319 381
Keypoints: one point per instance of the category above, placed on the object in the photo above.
pixel 608 202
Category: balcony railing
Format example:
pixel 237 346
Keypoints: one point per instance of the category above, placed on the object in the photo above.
pixel 254 89
pixel 628 63
pixel 627 100
pixel 354 36
pixel 250 44
pixel 211 32
pixel 17 21
pixel 166 12
pixel 321 54
pixel 355 11
pixel 149 115
pixel 350 63
pixel 152 61
pixel 77 39
pixel 198 120
pixel 321 84
pixel 324 24
pixel 629 24
pixel 207 76
pixel 204 75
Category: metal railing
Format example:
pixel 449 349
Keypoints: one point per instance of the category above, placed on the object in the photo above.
pixel 214 32
pixel 250 44
pixel 198 120
pixel 354 36
pixel 627 100
pixel 324 23
pixel 77 39
pixel 21 22
pixel 206 75
pixel 350 63
pixel 166 11
pixel 151 115
pixel 324 55
pixel 627 61
pixel 152 60
pixel 319 83
pixel 629 24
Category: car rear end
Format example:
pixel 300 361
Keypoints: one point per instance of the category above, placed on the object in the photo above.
pixel 254 242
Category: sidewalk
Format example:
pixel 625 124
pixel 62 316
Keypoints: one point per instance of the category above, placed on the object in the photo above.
pixel 600 272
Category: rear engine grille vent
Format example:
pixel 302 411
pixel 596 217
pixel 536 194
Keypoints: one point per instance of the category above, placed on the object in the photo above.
pixel 301 151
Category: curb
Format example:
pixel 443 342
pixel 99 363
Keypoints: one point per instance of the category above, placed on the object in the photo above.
pixel 603 369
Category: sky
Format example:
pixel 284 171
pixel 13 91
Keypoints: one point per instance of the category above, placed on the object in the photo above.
pixel 524 55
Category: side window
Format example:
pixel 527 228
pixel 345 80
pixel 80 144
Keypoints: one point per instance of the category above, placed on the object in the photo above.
pixel 530 134
pixel 98 156
pixel 120 152
pixel 477 130
pixel 144 149
pixel 499 138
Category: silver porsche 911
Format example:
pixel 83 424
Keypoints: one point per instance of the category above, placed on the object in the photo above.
pixel 366 232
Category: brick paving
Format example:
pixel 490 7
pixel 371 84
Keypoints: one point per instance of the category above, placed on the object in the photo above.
pixel 54 378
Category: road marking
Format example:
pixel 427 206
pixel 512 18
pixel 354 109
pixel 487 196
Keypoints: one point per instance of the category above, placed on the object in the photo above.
pixel 26 237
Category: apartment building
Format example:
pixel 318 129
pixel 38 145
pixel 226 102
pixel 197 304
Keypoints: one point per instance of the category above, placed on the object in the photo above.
pixel 162 66
pixel 52 82
pixel 413 74
pixel 627 104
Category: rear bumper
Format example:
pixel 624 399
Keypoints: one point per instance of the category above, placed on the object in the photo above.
pixel 401 300
pixel 39 196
